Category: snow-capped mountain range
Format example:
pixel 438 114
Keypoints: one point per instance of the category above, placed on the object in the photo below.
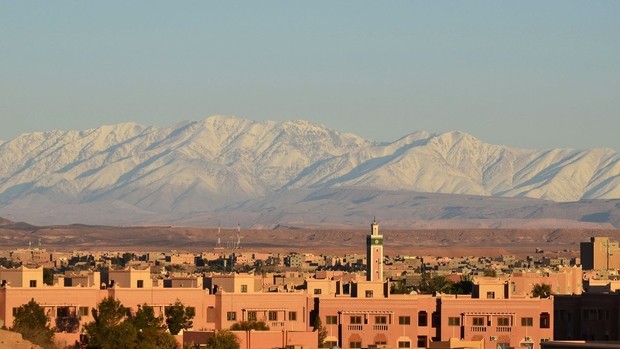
pixel 217 164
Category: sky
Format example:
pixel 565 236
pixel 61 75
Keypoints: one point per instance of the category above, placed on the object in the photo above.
pixel 529 74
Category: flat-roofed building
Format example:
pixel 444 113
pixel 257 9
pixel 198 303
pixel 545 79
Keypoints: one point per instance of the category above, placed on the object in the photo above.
pixel 600 253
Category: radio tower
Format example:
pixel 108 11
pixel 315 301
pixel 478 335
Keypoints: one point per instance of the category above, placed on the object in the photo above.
pixel 219 240
pixel 238 236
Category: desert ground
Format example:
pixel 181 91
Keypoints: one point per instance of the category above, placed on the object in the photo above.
pixel 439 242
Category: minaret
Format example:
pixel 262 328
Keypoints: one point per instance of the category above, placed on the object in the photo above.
pixel 374 254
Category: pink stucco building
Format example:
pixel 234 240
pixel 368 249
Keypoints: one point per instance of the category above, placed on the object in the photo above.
pixel 355 313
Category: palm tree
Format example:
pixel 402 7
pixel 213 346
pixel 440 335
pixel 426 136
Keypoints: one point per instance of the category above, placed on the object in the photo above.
pixel 223 340
pixel 541 290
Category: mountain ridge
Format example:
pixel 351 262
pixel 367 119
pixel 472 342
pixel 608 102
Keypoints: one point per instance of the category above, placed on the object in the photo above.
pixel 222 161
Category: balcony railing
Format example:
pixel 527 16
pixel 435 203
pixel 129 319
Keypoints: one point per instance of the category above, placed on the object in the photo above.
pixel 379 327
pixel 478 329
pixel 503 329
pixel 355 327
pixel 277 324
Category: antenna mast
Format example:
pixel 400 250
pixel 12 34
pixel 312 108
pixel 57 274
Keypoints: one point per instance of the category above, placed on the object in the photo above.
pixel 219 240
pixel 238 236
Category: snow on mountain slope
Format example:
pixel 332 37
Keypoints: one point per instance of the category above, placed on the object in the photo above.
pixel 197 166
pixel 192 164
pixel 458 163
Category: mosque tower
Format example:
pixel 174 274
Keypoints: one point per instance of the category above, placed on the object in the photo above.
pixel 374 253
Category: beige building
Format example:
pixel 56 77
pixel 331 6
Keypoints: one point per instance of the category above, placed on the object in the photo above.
pixel 600 253
pixel 21 277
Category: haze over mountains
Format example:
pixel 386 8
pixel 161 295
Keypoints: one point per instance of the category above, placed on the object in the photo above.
pixel 225 169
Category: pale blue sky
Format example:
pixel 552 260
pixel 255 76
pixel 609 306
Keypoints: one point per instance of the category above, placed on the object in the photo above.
pixel 534 74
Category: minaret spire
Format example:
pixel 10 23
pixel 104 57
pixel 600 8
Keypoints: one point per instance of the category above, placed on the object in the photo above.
pixel 374 253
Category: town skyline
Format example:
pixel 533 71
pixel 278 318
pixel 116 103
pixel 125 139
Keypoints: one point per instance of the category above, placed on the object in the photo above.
pixel 398 302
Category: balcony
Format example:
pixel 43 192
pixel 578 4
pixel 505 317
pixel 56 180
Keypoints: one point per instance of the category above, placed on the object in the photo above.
pixel 478 329
pixel 503 329
pixel 355 327
pixel 277 324
pixel 379 327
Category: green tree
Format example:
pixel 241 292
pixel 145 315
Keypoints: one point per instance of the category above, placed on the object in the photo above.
pixel 179 317
pixel 464 286
pixel 9 263
pixel 67 320
pixel 322 331
pixel 223 340
pixel 399 287
pixel 489 272
pixel 115 328
pixel 250 325
pixel 33 324
pixel 541 290
pixel 48 276
pixel 109 329
pixel 434 284
pixel 151 330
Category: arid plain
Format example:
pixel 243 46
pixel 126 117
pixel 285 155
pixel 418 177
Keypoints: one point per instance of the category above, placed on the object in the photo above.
pixel 439 242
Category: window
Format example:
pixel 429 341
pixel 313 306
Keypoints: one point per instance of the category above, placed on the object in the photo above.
pixel 140 283
pixel 317 291
pixel 331 319
pixel 191 311
pixel 454 321
pixel 15 311
pixel 368 293
pixel 478 321
pixel 63 312
pixel 527 321
pixel 405 344
pixel 491 295
pixel 422 342
pixel 251 316
pixel 355 345
pixel 503 321
pixel 381 320
pixel 83 311
pixel 422 318
pixel 273 315
pixel 292 316
pixel 545 320
pixel 244 288
pixel 404 320
pixel 231 316
pixel 33 283
pixel 356 320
